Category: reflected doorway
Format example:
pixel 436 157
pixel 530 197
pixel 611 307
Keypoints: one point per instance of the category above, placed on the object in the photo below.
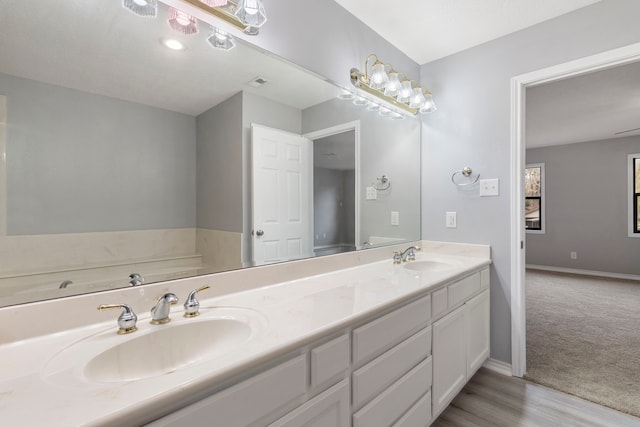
pixel 335 212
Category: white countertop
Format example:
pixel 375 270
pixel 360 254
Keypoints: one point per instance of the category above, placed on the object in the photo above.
pixel 35 391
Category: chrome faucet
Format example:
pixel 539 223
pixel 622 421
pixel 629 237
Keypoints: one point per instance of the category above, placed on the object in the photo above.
pixel 192 305
pixel 136 279
pixel 127 319
pixel 408 254
pixel 160 312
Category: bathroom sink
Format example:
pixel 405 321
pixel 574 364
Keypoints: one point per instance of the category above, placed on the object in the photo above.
pixel 166 349
pixel 154 350
pixel 426 266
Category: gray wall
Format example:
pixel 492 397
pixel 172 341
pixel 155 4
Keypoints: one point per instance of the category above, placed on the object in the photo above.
pixel 472 127
pixel 387 147
pixel 79 162
pixel 586 207
pixel 219 166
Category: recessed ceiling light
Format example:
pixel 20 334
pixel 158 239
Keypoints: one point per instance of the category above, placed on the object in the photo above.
pixel 173 44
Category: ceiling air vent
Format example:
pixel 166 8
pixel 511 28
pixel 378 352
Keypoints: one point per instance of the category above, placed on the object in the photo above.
pixel 257 82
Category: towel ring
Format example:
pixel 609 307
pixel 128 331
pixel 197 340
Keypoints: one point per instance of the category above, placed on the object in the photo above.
pixel 466 172
pixel 384 181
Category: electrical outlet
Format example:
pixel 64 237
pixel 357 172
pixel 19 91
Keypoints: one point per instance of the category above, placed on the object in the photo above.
pixel 574 255
pixel 489 187
pixel 395 218
pixel 451 220
pixel 372 193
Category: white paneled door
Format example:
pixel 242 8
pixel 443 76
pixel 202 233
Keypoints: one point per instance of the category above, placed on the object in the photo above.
pixel 281 195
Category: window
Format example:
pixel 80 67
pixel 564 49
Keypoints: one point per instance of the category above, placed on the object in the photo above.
pixel 534 198
pixel 634 195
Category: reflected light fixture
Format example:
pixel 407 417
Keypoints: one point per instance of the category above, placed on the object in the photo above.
pixel 220 39
pixel 173 44
pixel 215 3
pixel 144 8
pixel 182 22
pixel 400 96
pixel 251 13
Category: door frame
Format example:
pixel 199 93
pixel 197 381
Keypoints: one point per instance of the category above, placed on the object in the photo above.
pixel 334 130
pixel 519 84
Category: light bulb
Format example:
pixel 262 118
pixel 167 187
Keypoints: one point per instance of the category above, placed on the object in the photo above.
pixel 429 105
pixel 393 85
pixel 182 22
pixel 143 8
pixel 251 13
pixel 385 112
pixel 360 101
pixel 405 91
pixel 346 95
pixel 379 76
pixel 173 44
pixel 372 106
pixel 220 39
pixel 417 98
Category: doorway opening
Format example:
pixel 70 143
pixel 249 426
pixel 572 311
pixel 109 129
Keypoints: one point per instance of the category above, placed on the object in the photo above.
pixel 519 84
pixel 335 184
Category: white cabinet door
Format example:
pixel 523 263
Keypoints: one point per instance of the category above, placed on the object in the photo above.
pixel 328 409
pixel 449 358
pixel 477 315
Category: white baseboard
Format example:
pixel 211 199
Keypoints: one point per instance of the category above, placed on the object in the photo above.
pixel 584 272
pixel 498 366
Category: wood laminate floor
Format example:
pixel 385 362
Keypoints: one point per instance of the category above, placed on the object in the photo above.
pixel 492 400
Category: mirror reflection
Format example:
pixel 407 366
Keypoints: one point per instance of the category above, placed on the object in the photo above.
pixel 128 162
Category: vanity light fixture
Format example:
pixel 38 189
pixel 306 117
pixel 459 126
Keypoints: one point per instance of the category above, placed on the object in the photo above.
pixel 182 22
pixel 401 96
pixel 220 39
pixel 144 8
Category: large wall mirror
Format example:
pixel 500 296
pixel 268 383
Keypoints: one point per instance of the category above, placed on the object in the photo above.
pixel 124 162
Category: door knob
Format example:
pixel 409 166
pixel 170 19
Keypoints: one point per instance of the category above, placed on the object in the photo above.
pixel 259 233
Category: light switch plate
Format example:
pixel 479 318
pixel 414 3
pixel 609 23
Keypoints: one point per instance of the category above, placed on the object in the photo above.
pixel 451 220
pixel 372 193
pixel 395 218
pixel 489 187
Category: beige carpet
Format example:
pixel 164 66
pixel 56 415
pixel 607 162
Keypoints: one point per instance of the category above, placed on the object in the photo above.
pixel 583 337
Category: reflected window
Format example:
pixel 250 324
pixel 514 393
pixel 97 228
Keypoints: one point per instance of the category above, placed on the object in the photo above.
pixel 634 196
pixel 534 198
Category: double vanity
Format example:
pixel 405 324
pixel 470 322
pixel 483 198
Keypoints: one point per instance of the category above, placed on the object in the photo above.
pixel 344 340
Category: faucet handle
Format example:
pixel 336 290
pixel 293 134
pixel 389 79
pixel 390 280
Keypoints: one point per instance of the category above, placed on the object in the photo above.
pixel 127 319
pixel 397 257
pixel 192 305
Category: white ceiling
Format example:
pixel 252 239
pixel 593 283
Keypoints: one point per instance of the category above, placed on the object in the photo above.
pixel 595 106
pixel 426 30
pixel 96 46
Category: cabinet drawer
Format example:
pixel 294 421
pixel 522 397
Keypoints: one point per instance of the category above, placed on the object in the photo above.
pixel 257 398
pixel 397 399
pixel 328 409
pixel 330 361
pixel 462 290
pixel 419 415
pixel 373 378
pixel 439 304
pixel 383 333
